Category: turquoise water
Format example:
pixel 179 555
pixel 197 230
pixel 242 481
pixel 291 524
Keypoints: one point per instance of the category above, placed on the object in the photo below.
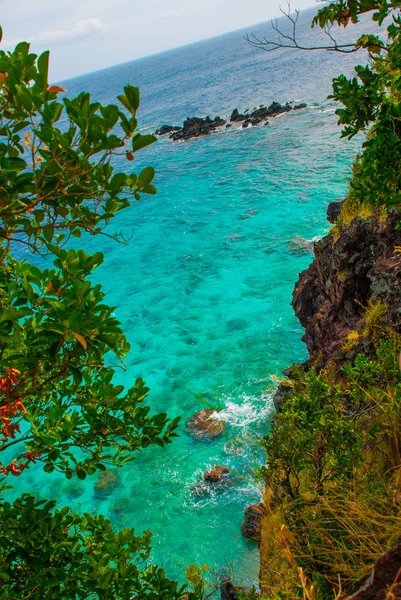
pixel 204 288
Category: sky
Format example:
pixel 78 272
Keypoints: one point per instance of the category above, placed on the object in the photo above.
pixel 87 35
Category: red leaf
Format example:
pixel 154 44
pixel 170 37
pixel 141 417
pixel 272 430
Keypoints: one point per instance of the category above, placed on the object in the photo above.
pixel 56 89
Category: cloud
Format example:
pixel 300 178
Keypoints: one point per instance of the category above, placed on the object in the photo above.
pixel 168 14
pixel 81 29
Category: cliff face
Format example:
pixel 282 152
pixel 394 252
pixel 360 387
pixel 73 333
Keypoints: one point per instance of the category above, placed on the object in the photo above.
pixel 355 272
pixel 330 297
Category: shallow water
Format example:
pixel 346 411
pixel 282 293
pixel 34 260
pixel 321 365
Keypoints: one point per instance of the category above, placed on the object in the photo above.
pixel 204 288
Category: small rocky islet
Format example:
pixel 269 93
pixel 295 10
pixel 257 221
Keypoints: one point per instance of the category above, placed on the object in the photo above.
pixel 200 126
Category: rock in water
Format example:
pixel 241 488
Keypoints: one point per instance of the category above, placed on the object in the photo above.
pixel 252 523
pixel 334 210
pixel 203 426
pixel 196 126
pixel 228 591
pixel 167 129
pixel 216 474
pixel 215 481
pixel 236 116
pixel 106 483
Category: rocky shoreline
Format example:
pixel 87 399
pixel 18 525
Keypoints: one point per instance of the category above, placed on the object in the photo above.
pixel 353 266
pixel 198 126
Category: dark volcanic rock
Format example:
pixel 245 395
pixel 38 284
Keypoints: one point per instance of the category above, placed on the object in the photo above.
pixel 334 210
pixel 203 426
pixel 251 525
pixel 347 272
pixel 276 108
pixel 236 116
pixel 299 106
pixel 283 392
pixel 382 578
pixel 167 129
pixel 258 115
pixel 196 126
pixel 252 121
pixel 228 591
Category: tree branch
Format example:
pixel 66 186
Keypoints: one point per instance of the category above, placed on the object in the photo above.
pixel 290 40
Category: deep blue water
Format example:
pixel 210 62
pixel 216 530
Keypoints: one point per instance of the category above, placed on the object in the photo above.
pixel 204 288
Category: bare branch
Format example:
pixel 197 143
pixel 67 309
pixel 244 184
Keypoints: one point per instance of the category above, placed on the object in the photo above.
pixel 290 40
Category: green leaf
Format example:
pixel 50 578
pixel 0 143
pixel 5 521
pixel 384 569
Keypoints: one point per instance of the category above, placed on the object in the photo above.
pixel 43 67
pixel 141 141
pixel 146 177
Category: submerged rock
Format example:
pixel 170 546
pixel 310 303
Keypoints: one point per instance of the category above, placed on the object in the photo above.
pixel 300 245
pixel 252 523
pixel 202 425
pixel 106 483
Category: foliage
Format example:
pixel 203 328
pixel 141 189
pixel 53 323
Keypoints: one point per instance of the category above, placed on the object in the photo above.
pixel 60 343
pixel 371 100
pixel 333 468
pixel 312 434
pixel 57 554
pixel 333 472
pixel 55 329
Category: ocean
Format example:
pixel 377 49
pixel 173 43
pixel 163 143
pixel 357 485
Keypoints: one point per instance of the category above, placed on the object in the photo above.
pixel 203 290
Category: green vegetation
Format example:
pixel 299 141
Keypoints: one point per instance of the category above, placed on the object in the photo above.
pixel 333 474
pixel 333 467
pixel 59 405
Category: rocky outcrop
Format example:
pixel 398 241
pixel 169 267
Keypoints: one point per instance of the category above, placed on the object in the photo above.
pixel 384 581
pixel 251 525
pixel 331 295
pixel 215 481
pixel 236 116
pixel 167 129
pixel 197 126
pixel 202 425
pixel 283 391
pixel 229 592
pixel 261 114
pixel 333 209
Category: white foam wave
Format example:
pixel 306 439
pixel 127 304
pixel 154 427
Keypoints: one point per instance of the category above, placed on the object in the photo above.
pixel 240 415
